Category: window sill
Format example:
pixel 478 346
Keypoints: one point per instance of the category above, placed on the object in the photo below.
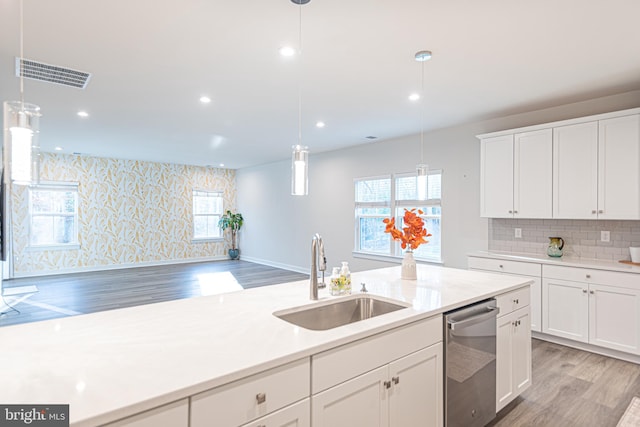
pixel 207 240
pixel 393 258
pixel 41 248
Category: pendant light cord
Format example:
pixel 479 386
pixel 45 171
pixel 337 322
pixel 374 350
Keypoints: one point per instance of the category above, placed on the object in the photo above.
pixel 300 74
pixel 422 115
pixel 22 53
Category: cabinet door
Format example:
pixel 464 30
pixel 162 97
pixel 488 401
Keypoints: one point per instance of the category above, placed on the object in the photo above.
pixel 361 401
pixel 416 394
pixel 505 392
pixel 565 309
pixel 575 171
pixel 521 351
pixel 297 415
pixel 533 174
pixel 496 177
pixel 614 318
pixel 619 168
pixel 535 307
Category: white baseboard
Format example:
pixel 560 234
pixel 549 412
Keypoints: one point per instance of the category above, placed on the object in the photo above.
pixel 275 264
pixel 588 347
pixel 119 266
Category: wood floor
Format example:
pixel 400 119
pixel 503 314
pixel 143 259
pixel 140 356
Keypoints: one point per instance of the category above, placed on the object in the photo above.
pixel 572 388
pixel 72 294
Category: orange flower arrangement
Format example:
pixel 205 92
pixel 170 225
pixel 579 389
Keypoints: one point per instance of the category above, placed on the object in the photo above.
pixel 413 233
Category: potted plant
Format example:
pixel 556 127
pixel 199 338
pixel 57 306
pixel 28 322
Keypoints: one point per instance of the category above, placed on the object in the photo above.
pixel 233 221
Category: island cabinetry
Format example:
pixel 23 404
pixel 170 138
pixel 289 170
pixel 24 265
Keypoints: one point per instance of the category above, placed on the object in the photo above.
pixel 592 306
pixel 513 346
pixel 392 379
pixel 516 177
pixel 253 397
pixel 530 270
pixel 175 414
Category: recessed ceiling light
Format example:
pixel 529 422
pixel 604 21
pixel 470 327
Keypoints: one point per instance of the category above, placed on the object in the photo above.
pixel 205 99
pixel 83 114
pixel 58 148
pixel 320 125
pixel 287 51
pixel 423 55
pixel 371 137
pixel 414 97
pixel 221 165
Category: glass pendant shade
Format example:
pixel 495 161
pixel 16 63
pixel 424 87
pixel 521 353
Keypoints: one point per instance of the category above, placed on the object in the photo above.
pixel 300 170
pixel 21 148
pixel 421 180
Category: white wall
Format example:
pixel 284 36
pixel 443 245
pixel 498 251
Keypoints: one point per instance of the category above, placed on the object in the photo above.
pixel 279 227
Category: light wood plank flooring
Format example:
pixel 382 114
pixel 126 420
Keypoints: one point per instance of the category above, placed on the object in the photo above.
pixel 78 293
pixel 572 388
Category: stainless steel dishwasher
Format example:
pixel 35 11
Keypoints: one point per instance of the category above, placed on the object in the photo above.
pixel 470 365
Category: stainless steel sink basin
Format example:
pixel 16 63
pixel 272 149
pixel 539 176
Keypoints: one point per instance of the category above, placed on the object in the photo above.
pixel 321 317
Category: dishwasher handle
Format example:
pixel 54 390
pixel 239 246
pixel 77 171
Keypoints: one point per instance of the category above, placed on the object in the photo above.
pixel 491 312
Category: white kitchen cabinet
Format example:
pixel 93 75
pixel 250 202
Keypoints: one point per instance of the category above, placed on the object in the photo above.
pixel 496 178
pixel 565 309
pixel 406 392
pixel 586 305
pixel 172 415
pixel 619 168
pixel 296 415
pixel 516 175
pixel 530 270
pixel 245 400
pixel 575 171
pixel 513 346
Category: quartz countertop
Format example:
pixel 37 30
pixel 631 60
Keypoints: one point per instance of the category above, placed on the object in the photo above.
pixel 113 364
pixel 568 261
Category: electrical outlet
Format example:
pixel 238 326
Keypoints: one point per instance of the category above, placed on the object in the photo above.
pixel 605 236
pixel 518 233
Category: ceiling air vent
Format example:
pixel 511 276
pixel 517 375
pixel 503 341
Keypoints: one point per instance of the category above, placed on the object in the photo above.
pixel 52 73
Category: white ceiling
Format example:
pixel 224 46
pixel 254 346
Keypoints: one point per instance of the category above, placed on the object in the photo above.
pixel 152 59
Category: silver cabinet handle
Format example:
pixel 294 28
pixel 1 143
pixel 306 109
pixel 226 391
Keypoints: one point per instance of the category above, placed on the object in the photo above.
pixel 588 276
pixel 501 266
pixel 396 380
pixel 591 292
pixel 600 211
pixel 515 212
pixel 261 398
pixel 584 291
pixel 387 384
pixel 593 212
pixel 516 301
pixel 510 212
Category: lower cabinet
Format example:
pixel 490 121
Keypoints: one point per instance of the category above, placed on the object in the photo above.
pixel 513 356
pixel 405 392
pixel 603 315
pixel 172 415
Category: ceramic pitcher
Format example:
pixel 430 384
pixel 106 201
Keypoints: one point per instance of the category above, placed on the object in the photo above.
pixel 555 246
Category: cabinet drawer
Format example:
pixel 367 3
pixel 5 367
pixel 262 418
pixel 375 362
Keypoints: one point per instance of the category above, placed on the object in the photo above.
pixel 513 300
pixel 504 266
pixel 589 275
pixel 297 415
pixel 245 400
pixel 348 361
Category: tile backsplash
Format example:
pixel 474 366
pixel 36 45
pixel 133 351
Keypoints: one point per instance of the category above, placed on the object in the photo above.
pixel 582 237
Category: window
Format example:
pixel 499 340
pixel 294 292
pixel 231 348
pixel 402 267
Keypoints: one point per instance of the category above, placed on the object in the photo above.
pixel 53 212
pixel 207 210
pixel 377 198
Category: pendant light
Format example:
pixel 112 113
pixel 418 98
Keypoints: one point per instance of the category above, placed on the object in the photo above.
pixel 300 154
pixel 21 127
pixel 422 169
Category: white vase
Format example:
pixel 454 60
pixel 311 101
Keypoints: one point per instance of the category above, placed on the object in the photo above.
pixel 408 267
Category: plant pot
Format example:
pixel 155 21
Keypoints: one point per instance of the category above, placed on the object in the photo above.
pixel 234 253
pixel 408 267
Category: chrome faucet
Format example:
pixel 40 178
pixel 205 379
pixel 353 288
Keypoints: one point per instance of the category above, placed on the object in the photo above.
pixel 318 262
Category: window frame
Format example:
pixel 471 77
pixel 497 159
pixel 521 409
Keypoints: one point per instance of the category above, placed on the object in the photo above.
pixel 208 238
pixel 395 252
pixel 59 186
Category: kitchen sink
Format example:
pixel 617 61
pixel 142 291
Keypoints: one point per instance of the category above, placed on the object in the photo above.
pixel 323 316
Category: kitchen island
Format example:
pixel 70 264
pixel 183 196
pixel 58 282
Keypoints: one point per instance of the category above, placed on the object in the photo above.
pixel 111 365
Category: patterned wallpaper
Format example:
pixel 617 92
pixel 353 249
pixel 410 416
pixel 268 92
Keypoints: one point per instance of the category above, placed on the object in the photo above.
pixel 130 212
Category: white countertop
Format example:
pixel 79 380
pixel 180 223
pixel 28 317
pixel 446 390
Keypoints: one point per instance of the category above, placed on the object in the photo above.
pixel 598 264
pixel 113 364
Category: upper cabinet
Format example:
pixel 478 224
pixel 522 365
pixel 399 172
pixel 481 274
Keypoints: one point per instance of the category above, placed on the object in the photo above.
pixel 587 168
pixel 516 178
